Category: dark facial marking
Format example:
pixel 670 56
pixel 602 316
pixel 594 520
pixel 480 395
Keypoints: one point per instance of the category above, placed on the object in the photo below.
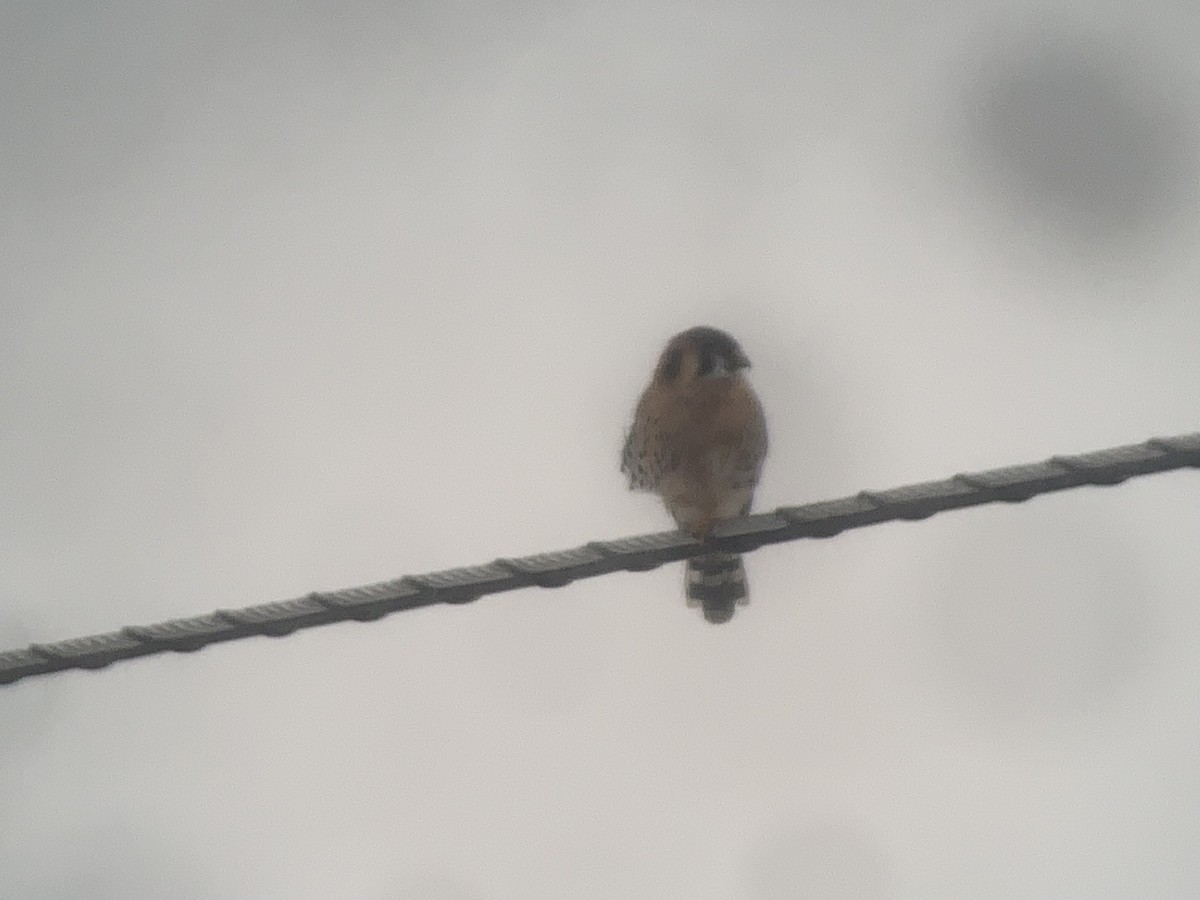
pixel 672 364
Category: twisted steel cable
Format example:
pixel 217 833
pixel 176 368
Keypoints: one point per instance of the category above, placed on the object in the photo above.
pixel 1010 484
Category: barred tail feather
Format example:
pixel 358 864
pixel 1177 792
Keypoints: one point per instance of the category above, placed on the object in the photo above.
pixel 716 582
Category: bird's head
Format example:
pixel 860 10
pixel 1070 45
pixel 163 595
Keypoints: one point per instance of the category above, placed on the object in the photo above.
pixel 700 353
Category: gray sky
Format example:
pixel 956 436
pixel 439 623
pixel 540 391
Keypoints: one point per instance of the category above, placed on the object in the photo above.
pixel 305 299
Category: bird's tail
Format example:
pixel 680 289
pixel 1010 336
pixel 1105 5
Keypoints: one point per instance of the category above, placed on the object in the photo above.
pixel 716 582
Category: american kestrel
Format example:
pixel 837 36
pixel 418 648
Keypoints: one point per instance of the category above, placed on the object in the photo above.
pixel 698 440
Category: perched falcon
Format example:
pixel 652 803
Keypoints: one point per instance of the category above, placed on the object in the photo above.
pixel 698 440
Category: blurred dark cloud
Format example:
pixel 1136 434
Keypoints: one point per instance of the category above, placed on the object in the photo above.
pixel 1091 140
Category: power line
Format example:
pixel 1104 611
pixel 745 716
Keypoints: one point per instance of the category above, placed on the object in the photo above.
pixel 1011 484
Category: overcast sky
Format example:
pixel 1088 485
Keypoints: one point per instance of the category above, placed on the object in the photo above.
pixel 310 295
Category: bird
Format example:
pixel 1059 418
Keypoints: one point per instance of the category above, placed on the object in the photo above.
pixel 699 440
